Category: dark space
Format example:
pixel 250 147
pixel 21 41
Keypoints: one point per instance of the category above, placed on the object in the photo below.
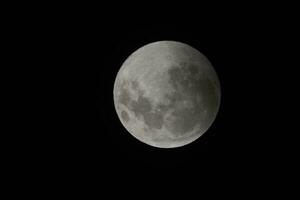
pixel 90 143
pixel 241 144
pixel 231 144
pixel 75 141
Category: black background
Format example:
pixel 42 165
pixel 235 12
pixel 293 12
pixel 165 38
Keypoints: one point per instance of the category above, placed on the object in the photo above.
pixel 245 143
pixel 234 142
pixel 81 140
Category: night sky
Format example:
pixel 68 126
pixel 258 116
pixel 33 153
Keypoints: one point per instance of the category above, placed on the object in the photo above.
pixel 86 54
pixel 232 141
pixel 76 138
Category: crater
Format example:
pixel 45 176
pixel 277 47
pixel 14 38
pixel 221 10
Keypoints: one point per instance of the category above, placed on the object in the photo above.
pixel 125 116
pixel 141 106
pixel 153 120
pixel 124 96
pixel 134 85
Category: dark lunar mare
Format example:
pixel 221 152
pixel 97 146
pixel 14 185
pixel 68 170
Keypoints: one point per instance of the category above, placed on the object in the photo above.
pixel 188 84
pixel 142 107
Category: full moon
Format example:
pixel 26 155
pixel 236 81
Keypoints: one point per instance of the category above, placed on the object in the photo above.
pixel 167 94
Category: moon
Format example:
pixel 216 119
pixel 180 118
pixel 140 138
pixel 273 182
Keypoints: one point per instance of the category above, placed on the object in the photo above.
pixel 167 94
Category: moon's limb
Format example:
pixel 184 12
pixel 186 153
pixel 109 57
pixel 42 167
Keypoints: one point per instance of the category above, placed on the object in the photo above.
pixel 167 94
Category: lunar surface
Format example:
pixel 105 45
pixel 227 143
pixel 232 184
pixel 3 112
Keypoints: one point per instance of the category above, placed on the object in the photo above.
pixel 167 94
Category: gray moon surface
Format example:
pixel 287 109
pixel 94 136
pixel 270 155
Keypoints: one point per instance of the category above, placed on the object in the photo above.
pixel 167 94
